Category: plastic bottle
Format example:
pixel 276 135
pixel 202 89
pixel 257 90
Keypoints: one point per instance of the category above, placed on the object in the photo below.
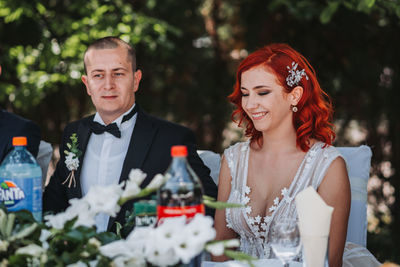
pixel 182 194
pixel 21 180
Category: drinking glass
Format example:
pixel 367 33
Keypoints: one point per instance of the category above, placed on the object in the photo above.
pixel 285 240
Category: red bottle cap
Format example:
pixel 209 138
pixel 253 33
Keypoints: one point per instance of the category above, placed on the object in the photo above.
pixel 179 151
pixel 19 141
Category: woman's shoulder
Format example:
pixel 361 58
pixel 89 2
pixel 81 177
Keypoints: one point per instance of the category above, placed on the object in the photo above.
pixel 327 151
pixel 237 147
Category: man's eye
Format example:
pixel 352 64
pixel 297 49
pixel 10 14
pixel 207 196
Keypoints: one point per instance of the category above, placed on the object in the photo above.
pixel 98 75
pixel 119 74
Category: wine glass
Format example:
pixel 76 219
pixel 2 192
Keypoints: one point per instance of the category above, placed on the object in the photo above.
pixel 285 240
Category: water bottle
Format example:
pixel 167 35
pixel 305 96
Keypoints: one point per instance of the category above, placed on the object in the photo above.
pixel 21 180
pixel 182 194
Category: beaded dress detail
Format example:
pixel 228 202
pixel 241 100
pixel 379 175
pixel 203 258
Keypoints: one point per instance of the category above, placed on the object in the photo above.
pixel 253 229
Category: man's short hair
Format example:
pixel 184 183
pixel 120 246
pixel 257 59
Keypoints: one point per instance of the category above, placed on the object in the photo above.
pixel 112 42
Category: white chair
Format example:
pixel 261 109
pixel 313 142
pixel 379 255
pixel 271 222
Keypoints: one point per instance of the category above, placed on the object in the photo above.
pixel 358 161
pixel 43 158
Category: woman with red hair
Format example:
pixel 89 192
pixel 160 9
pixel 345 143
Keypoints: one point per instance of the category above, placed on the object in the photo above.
pixel 287 117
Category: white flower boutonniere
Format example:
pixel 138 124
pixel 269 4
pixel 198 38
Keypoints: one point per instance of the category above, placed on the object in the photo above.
pixel 72 159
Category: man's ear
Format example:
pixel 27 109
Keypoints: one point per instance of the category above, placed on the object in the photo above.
pixel 85 81
pixel 295 95
pixel 137 77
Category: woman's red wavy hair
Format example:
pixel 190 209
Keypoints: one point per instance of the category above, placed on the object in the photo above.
pixel 314 115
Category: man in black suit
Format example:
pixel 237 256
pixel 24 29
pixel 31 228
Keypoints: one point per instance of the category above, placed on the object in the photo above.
pixel 120 136
pixel 12 125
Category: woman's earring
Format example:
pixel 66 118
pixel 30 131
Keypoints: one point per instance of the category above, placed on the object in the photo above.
pixel 294 108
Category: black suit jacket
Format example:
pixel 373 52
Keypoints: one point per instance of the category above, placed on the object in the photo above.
pixel 12 125
pixel 149 150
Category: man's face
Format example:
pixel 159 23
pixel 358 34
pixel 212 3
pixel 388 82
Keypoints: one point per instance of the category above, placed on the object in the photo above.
pixel 110 81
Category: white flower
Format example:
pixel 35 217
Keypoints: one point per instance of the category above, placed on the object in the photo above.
pixel 131 189
pixel 186 249
pixel 276 201
pixel 248 209
pixel 31 249
pixel 157 182
pixel 57 221
pixel 257 219
pixel 44 235
pixel 3 245
pixel 158 255
pixel 137 176
pixel 247 190
pixel 77 264
pixel 94 242
pixel 217 249
pixel 78 208
pixel 201 229
pixel 284 191
pixel 72 162
pixel 115 249
pixel 104 199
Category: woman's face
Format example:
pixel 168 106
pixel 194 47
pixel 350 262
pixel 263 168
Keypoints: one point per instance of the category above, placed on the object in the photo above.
pixel 264 100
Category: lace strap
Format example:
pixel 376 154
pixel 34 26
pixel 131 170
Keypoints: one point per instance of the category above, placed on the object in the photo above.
pixel 327 156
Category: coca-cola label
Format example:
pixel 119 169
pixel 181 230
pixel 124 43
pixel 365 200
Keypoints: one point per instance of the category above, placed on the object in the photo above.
pixel 188 211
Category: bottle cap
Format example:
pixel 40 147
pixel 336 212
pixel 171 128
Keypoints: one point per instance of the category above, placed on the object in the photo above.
pixel 179 151
pixel 19 141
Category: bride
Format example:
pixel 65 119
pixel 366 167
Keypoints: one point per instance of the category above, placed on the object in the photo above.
pixel 287 119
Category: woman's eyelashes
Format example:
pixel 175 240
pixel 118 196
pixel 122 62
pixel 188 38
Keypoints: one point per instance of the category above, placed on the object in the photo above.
pixel 262 93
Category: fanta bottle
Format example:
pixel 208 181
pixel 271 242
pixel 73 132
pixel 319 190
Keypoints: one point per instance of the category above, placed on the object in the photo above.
pixel 182 193
pixel 21 180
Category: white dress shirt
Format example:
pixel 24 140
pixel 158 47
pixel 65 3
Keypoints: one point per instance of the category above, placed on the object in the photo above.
pixel 104 158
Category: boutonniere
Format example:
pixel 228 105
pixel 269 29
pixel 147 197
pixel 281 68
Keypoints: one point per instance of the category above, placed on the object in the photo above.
pixel 72 159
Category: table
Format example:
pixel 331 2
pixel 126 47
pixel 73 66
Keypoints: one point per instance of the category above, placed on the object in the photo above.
pixel 257 263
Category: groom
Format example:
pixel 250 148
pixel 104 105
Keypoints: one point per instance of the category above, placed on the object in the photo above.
pixel 119 137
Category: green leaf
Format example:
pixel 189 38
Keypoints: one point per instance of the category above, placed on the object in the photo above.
pixel 107 237
pixel 220 204
pixel 328 12
pixel 25 232
pixel 240 256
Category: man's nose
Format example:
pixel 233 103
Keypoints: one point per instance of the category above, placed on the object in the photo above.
pixel 109 82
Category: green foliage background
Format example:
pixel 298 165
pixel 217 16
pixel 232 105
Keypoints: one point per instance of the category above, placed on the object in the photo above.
pixel 188 52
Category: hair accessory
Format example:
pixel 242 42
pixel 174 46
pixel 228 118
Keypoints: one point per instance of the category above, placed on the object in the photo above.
pixel 294 109
pixel 295 75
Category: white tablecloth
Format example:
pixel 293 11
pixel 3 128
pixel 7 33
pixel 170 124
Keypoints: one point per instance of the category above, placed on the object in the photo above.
pixel 257 263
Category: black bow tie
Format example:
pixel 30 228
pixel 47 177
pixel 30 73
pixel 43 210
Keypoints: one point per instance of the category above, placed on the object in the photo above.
pixel 112 128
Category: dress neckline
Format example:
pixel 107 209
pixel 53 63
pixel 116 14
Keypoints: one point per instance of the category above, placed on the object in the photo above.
pixel 265 225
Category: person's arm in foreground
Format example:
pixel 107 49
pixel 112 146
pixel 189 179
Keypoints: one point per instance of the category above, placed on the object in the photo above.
pixel 224 188
pixel 335 191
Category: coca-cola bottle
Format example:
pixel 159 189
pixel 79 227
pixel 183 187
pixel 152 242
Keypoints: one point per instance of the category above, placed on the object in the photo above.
pixel 182 194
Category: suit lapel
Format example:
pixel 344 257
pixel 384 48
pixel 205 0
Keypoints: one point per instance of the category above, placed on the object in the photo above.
pixel 83 134
pixel 141 140
pixel 139 145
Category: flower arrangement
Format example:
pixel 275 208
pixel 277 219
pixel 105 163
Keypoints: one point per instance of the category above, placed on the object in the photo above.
pixel 72 159
pixel 70 238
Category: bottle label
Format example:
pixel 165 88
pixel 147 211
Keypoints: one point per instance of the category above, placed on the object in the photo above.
pixel 22 194
pixel 188 211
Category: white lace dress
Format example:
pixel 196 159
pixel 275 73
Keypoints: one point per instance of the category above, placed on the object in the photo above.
pixel 253 229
